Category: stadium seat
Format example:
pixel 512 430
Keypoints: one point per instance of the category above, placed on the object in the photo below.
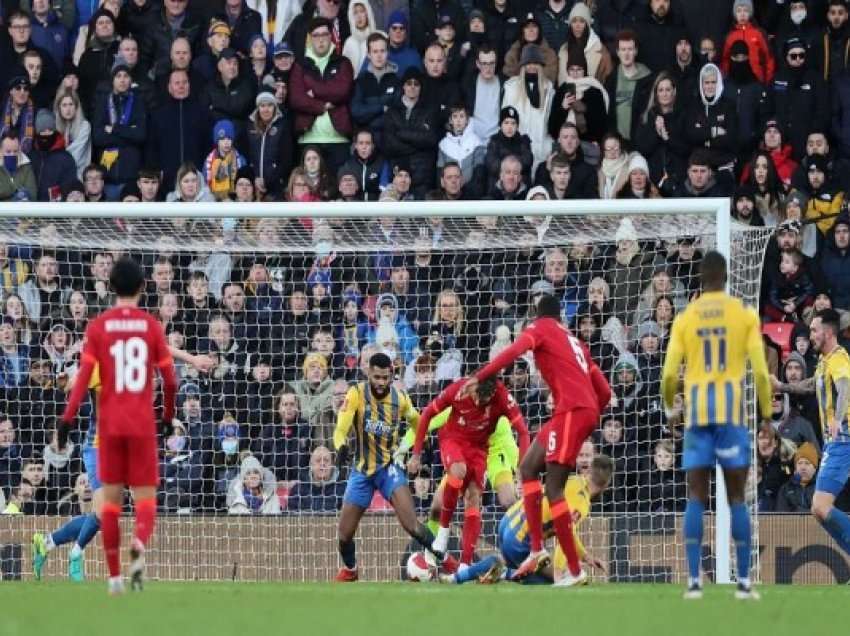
pixel 780 334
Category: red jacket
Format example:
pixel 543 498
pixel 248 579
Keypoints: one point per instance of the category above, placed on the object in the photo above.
pixel 335 85
pixel 761 59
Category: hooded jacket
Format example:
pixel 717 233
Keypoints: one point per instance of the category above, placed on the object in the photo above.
pixel 712 124
pixel 792 426
pixel 532 121
pixel 355 45
pixel 236 501
pixel 835 268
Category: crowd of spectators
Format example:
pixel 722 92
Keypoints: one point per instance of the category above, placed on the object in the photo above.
pixel 390 100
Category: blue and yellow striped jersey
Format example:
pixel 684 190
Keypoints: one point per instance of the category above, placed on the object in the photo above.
pixel 715 336
pixel 832 366
pixel 94 395
pixel 378 425
pixel 577 494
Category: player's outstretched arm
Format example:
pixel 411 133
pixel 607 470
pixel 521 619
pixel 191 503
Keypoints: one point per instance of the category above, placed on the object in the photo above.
pixel 201 362
pixel 81 383
pixel 523 343
pixel 436 406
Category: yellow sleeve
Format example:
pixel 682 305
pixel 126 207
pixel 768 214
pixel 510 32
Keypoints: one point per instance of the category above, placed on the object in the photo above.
pixel 346 417
pixel 838 368
pixel 755 352
pixel 672 361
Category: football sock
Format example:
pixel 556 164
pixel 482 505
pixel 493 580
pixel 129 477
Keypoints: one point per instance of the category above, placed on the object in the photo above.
pixel 693 536
pixel 66 533
pixel 450 497
pixel 465 575
pixel 112 537
pixel 471 532
pixel 145 519
pixel 562 521
pixel 837 524
pixel 424 536
pixel 347 554
pixel 532 497
pixel 433 525
pixel 742 538
pixel 88 531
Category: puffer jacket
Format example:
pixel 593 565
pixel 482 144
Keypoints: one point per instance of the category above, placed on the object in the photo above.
pixel 761 57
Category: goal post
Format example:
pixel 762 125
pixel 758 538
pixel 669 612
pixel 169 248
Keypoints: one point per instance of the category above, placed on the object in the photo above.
pixel 483 258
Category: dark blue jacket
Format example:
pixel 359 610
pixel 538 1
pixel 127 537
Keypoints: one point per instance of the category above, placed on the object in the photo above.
pixel 371 96
pixel 179 132
pixel 835 270
pixel 52 37
pixel 308 496
pixel 128 134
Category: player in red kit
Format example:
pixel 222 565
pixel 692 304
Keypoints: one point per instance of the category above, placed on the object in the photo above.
pixel 463 449
pixel 580 392
pixel 126 344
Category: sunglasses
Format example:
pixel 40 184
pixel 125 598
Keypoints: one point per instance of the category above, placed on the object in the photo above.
pixel 796 56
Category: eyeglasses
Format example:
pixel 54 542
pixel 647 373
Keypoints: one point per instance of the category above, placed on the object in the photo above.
pixel 412 82
pixel 796 56
pixel 21 88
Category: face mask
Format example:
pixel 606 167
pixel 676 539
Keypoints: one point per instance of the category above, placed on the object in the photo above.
pixel 798 15
pixel 229 445
pixel 11 164
pixel 45 142
pixel 176 444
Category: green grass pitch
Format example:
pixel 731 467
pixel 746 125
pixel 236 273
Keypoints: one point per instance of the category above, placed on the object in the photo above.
pixel 260 609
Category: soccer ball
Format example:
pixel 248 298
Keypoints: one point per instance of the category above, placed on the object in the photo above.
pixel 421 567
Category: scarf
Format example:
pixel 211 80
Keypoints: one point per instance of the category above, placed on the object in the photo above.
pixel 125 103
pixel 532 89
pixel 611 170
pixel 24 125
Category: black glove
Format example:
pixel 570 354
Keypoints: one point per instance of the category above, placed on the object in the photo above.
pixel 342 456
pixel 63 429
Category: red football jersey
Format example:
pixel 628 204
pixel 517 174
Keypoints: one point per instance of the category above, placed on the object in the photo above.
pixel 470 422
pixel 126 344
pixel 563 361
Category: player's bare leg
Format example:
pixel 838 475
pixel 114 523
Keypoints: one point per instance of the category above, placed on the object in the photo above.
pixel 113 495
pixel 349 521
pixel 562 522
pixel 144 503
pixel 405 511
pixel 698 486
pixel 451 493
pixel 532 498
pixel 471 522
pixel 736 483
pixel 436 507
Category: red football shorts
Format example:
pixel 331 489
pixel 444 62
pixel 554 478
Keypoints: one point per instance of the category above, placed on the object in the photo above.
pixel 131 461
pixel 453 450
pixel 563 435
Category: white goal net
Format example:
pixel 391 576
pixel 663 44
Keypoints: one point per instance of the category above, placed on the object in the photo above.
pixel 291 305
